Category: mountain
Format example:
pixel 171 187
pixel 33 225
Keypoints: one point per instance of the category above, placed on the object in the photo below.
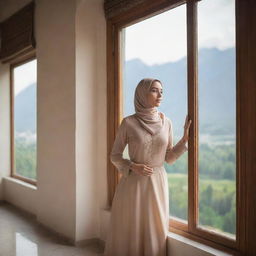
pixel 216 89
pixel 216 76
pixel 25 110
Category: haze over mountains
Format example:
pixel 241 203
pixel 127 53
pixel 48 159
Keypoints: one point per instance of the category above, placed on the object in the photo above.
pixel 25 110
pixel 216 92
pixel 216 80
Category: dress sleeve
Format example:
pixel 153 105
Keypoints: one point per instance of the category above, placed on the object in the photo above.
pixel 174 152
pixel 116 156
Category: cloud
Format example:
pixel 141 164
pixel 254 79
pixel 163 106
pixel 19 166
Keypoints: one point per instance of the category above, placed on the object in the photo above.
pixel 25 75
pixel 162 38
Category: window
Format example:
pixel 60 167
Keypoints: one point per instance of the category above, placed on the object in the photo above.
pixel 218 73
pixel 23 120
pixel 217 116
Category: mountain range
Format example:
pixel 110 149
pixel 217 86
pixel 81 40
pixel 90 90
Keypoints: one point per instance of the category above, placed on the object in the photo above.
pixel 216 91
pixel 25 110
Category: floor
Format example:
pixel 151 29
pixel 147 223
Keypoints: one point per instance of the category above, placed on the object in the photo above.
pixel 21 235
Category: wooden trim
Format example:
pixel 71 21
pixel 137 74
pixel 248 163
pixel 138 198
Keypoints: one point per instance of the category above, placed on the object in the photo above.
pixel 115 7
pixel 143 11
pixel 12 121
pixel 193 114
pixel 112 114
pixel 246 79
pixel 21 60
pixel 27 180
pixel 217 237
pixel 175 223
pixel 251 131
pixel 241 29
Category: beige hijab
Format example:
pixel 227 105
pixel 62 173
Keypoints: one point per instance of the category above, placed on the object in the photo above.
pixel 149 117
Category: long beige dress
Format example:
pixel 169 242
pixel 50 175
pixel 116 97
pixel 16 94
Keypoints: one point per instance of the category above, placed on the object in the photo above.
pixel 140 208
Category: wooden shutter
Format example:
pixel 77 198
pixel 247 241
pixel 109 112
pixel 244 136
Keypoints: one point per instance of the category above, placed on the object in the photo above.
pixel 17 34
pixel 115 7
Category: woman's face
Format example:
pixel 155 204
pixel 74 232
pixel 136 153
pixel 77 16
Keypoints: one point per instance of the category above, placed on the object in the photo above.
pixel 155 94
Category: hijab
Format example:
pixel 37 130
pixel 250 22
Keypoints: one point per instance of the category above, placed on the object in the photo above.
pixel 149 117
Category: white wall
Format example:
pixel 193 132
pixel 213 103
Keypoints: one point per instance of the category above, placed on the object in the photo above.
pixel 71 113
pixel 4 125
pixel 56 170
pixel 90 116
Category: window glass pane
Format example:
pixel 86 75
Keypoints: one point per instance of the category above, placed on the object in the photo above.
pixel 156 47
pixel 24 83
pixel 217 116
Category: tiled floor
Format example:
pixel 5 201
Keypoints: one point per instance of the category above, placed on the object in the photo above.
pixel 21 235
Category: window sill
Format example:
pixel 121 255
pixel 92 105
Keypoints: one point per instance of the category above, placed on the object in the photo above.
pixel 20 182
pixel 180 245
pixel 20 194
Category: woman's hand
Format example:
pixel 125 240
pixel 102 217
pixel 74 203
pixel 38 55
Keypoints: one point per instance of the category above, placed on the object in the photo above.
pixel 186 129
pixel 141 169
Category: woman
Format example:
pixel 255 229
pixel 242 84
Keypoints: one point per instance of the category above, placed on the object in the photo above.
pixel 140 208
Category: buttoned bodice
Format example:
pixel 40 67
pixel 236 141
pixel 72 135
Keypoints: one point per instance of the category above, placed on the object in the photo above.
pixel 143 147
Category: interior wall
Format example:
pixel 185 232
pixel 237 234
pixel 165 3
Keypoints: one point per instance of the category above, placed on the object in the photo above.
pixel 4 125
pixel 90 116
pixel 71 113
pixel 56 173
pixel 8 7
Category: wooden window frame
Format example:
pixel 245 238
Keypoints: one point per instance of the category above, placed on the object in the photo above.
pixel 245 121
pixel 15 63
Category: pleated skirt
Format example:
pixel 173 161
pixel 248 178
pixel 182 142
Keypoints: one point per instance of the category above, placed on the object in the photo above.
pixel 139 216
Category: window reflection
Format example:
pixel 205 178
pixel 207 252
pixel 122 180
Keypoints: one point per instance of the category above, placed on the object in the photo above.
pixel 25 246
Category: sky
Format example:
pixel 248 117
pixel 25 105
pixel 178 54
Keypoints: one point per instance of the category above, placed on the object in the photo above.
pixel 162 38
pixel 25 75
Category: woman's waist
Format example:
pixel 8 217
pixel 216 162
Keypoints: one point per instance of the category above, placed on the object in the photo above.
pixel 155 166
pixel 150 164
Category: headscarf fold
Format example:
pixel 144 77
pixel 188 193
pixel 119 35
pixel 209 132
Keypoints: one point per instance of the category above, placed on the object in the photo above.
pixel 148 116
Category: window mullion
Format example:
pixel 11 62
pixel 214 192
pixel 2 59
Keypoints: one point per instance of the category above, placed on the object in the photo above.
pixel 193 114
pixel 113 104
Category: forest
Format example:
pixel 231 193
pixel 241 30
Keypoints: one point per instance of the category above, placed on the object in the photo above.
pixel 25 158
pixel 217 188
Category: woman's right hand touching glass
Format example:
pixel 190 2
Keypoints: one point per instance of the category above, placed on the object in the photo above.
pixel 141 169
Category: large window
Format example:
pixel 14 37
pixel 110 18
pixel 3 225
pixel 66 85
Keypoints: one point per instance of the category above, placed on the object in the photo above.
pixel 157 47
pixel 202 52
pixel 23 121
